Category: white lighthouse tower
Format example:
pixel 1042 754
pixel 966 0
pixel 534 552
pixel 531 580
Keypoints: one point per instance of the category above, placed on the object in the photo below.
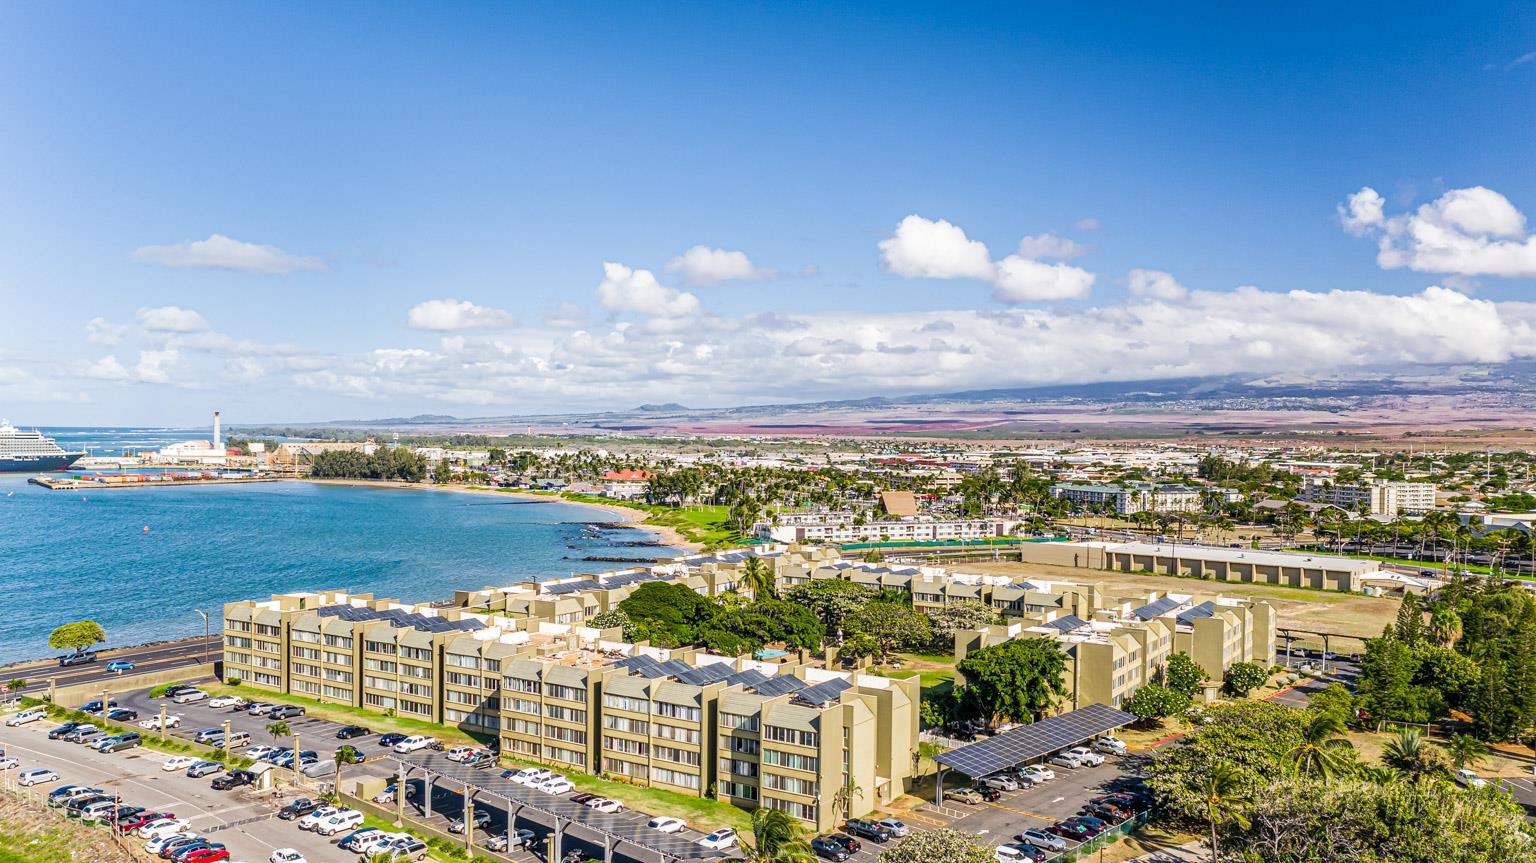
pixel 218 444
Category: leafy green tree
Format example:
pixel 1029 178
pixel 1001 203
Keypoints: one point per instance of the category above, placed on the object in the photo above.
pixel 956 617
pixel 1411 757
pixel 1336 701
pixel 1323 752
pixel 1184 676
pixel 443 473
pixel 77 636
pixel 1225 800
pixel 831 599
pixel 893 627
pixel 613 619
pixel 1244 677
pixel 1254 737
pixel 858 646
pixel 1016 680
pixel 16 685
pixel 1466 751
pixel 667 614
pixel 1153 703
pixel 944 845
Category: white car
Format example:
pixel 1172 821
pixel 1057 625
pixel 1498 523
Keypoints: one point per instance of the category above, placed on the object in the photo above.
pixel 172 720
pixel 1037 773
pixel 1469 779
pixel 531 775
pixel 31 714
pixel 36 776
pixel 603 804
pixel 1001 783
pixel 309 821
pixel 459 753
pixel 163 827
pixel 344 819
pixel 372 842
pixel 414 743
pixel 1043 840
pixel 179 762
pixel 1011 854
pixel 1086 756
pixel 190 696
pixel 666 824
pixel 897 828
pixel 719 840
pixel 556 785
pixel 286 855
pixel 9 763
pixel 153 846
pixel 1066 759
pixel 226 701
pixel 1110 745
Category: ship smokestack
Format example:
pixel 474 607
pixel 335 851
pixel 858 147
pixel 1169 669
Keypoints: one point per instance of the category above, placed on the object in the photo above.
pixel 216 444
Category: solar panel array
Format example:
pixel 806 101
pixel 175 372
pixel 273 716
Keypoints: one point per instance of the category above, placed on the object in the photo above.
pixel 1204 609
pixel 1029 742
pixel 702 675
pixel 562 588
pixel 1157 608
pixel 491 786
pixel 720 672
pixel 780 684
pixel 823 693
pixel 621 579
pixel 1068 623
pixel 362 614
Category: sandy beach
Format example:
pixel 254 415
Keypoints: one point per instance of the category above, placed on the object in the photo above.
pixel 668 535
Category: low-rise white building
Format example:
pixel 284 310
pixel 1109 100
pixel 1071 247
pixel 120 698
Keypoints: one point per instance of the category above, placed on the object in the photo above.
pixel 838 529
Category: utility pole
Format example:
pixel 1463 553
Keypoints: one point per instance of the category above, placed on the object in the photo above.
pixel 206 633
pixel 162 721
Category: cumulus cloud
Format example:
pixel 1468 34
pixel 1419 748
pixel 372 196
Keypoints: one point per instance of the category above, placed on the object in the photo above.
pixel 219 252
pixel 629 290
pixel 455 315
pixel 1049 245
pixel 923 248
pixel 566 315
pixel 171 319
pixel 1467 232
pixel 108 368
pixel 1155 284
pixel 100 331
pixel 704 266
pixel 154 367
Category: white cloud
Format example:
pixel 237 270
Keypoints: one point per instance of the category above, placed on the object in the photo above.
pixel 171 319
pixel 566 315
pixel 1021 280
pixel 704 266
pixel 1468 232
pixel 1049 245
pixel 219 252
pixel 108 368
pixel 925 249
pixel 629 290
pixel 456 315
pixel 1088 223
pixel 100 331
pixel 1156 284
pixel 154 367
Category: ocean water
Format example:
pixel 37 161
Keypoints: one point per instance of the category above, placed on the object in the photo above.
pixel 86 554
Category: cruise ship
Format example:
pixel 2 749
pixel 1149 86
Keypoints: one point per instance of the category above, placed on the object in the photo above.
pixel 31 451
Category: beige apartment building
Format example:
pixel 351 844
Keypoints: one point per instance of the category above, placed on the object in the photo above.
pixel 1127 643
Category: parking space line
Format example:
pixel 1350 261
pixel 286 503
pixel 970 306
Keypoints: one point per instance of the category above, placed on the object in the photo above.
pixel 1037 816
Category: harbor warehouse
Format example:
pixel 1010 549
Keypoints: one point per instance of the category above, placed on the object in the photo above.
pixel 1210 562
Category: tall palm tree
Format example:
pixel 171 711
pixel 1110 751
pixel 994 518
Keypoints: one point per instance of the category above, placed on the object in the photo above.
pixel 758 576
pixel 278 729
pixel 345 754
pixel 1226 801
pixel 1322 749
pixel 1411 757
pixel 1444 625
pixel 777 837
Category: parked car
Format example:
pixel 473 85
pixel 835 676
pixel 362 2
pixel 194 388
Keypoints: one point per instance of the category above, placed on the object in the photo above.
pixel 873 830
pixel 204 768
pixel 234 779
pixel 199 850
pixel 258 708
pixel 556 785
pixel 79 731
pixel 482 819
pixel 1106 812
pixel 120 665
pixel 178 762
pixel 122 714
pixel 459 753
pixel 163 827
pixel 719 840
pixel 1001 783
pixel 405 848
pixel 210 854
pixel 203 735
pixel 88 738
pixel 235 739
pixel 1019 853
pixel 414 743
pixel 1086 756
pixel 79 657
pixel 155 846
pixel 480 759
pixel 666 824
pixel 175 689
pixel 119 742
pixel 98 811
pixel 128 825
pixel 61 795
pixel 1066 759
pixel 1470 779
pixel 226 701
pixel 78 804
pixel 9 763
pixel 529 775
pixel 286 855
pixel 603 804
pixel 1041 839
pixel 36 776
pixel 1110 745
pixel 58 731
pixel 351 841
pixel 297 808
pixel 189 696
pixel 519 838
pixel 385 796
pixel 172 720
pixel 348 732
pixel 850 844
pixel 968 795
pixel 897 828
pixel 31 714
pixel 285 711
pixel 309 821
pixel 825 848
pixel 390 739
pixel 1071 828
pixel 94 706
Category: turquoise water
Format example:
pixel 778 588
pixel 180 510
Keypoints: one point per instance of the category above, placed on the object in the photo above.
pixel 67 555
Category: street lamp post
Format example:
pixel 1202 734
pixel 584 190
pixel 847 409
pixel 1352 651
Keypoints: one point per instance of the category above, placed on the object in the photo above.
pixel 206 633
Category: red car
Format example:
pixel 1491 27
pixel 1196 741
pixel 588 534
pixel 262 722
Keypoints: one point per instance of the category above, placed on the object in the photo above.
pixel 207 855
pixel 141 819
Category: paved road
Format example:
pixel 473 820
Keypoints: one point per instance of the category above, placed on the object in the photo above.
pixel 159 657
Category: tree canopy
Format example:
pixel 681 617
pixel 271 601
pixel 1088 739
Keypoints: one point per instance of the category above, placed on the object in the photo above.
pixel 667 614
pixel 831 599
pixel 957 616
pixel 943 845
pixel 892 627
pixel 1244 677
pixel 1183 675
pixel 1017 680
pixel 396 463
pixel 77 636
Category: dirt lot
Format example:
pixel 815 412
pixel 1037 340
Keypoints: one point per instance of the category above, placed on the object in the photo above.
pixel 1328 611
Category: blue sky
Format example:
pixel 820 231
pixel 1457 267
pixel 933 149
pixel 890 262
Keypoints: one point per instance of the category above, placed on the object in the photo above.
pixel 497 155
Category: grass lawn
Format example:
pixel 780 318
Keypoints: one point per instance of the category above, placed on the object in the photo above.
pixel 702 523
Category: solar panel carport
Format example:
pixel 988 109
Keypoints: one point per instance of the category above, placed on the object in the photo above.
pixel 612 830
pixel 1030 742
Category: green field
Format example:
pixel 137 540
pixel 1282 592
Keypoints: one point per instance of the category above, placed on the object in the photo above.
pixel 706 524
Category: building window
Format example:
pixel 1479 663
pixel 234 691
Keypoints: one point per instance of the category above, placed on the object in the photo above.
pixel 621 702
pixel 677 756
pixel 567 693
pixel 790 735
pixel 803 787
pixel 518 684
pixel 675 777
pixel 565 714
pixel 739 721
pixel 624 768
pixel 625 724
pixel 681 735
pixel 803 811
pixel 739 790
pixel 791 760
pixel 625 745
pixel 342 641
pixel 685 712
pixel 738 767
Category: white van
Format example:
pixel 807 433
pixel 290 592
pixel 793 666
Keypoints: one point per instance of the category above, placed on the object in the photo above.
pixel 190 696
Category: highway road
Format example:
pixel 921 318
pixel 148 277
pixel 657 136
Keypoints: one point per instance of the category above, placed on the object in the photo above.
pixel 157 657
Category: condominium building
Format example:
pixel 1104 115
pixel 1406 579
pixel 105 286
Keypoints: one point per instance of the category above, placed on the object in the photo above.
pixel 1132 497
pixel 1377 497
pixel 839 528
pixel 1126 644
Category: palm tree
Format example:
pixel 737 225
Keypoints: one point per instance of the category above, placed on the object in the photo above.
pixel 1322 749
pixel 926 750
pixel 1444 625
pixel 777 837
pixel 16 685
pixel 278 729
pixel 1225 801
pixel 1408 754
pixel 846 795
pixel 1466 751
pixel 758 576
pixel 345 754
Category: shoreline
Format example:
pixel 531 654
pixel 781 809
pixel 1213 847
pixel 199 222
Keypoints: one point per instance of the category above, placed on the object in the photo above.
pixel 668 535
